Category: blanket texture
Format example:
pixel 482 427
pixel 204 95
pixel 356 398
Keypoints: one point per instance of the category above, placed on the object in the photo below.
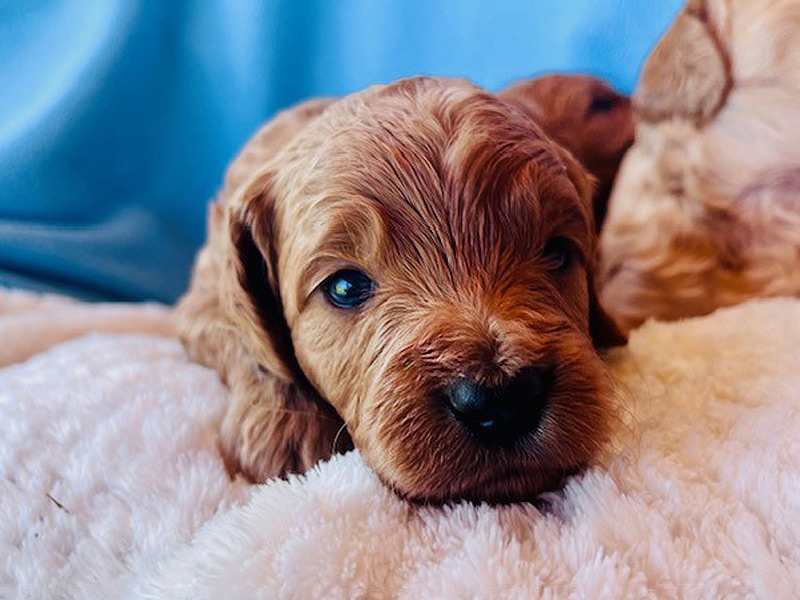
pixel 111 485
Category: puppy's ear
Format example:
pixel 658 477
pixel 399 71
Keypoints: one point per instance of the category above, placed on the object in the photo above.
pixel 232 319
pixel 688 73
pixel 250 289
pixel 604 331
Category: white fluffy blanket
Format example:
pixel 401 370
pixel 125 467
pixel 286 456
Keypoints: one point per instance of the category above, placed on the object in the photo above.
pixel 110 484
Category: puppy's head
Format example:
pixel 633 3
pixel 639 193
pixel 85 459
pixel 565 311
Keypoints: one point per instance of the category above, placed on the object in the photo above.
pixel 420 255
pixel 586 116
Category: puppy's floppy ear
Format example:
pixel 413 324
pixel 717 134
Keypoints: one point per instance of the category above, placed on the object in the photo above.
pixel 250 290
pixel 277 423
pixel 232 319
pixel 688 74
pixel 604 331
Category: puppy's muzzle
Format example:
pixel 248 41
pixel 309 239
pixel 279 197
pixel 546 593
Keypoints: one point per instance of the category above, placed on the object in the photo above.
pixel 502 414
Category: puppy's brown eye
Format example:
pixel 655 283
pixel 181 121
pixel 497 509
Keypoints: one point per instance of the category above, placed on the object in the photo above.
pixel 348 288
pixel 559 254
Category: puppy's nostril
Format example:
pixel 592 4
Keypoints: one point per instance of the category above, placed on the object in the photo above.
pixel 467 397
pixel 529 383
pixel 602 104
pixel 500 414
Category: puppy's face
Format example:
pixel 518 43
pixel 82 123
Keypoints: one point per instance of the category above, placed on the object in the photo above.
pixel 432 252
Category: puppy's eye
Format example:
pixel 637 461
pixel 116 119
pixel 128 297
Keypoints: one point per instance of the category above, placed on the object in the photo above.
pixel 348 288
pixel 602 104
pixel 559 254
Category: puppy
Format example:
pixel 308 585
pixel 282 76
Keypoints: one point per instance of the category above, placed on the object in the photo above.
pixel 585 116
pixel 706 208
pixel 409 270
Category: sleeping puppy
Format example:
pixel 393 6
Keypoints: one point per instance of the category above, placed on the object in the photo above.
pixel 706 208
pixel 407 270
pixel 585 116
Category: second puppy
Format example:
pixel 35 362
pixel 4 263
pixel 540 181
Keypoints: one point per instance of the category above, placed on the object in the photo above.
pixel 584 115
pixel 705 212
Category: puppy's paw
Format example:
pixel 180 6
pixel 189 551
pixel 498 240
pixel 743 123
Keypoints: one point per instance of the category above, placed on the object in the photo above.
pixel 272 430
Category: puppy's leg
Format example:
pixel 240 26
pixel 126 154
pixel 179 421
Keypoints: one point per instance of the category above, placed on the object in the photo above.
pixel 271 429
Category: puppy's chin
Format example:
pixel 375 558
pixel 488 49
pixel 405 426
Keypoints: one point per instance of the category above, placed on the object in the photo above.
pixel 514 484
pixel 428 457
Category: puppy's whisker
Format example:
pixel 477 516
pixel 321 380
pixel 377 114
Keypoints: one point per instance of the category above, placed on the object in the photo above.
pixel 625 417
pixel 336 438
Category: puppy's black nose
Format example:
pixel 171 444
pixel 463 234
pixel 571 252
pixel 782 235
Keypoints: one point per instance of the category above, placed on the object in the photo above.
pixel 500 414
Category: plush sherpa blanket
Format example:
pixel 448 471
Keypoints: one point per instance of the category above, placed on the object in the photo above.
pixel 111 487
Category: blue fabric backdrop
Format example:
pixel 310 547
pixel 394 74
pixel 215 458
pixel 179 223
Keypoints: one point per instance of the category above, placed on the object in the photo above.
pixel 117 117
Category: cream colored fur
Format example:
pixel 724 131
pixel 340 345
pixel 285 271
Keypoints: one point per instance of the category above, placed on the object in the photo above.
pixel 706 206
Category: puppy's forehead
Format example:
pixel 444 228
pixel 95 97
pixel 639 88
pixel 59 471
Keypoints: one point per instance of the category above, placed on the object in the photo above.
pixel 441 168
pixel 420 133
